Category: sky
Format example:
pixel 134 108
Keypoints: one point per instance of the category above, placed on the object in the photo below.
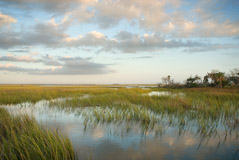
pixel 116 41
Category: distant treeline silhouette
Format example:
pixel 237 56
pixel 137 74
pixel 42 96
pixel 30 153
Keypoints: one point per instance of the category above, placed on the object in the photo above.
pixel 214 78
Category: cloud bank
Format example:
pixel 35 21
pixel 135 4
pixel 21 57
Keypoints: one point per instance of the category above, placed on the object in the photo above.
pixel 58 66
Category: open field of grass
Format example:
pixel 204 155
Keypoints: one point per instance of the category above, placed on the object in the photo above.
pixel 22 138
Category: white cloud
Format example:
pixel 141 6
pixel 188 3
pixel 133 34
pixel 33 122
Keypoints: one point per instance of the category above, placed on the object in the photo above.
pixel 133 43
pixel 56 6
pixel 212 20
pixel 6 20
pixel 189 26
pixel 96 34
pixel 213 47
pixel 13 58
pixel 171 26
pixel 68 66
pixel 81 14
pixel 212 28
pixel 7 65
pixel 53 36
pixel 164 16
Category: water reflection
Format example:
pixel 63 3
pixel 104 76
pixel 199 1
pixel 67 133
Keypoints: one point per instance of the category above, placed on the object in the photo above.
pixel 101 140
pixel 165 93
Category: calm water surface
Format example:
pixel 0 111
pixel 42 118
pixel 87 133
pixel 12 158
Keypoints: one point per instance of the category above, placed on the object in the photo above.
pixel 129 140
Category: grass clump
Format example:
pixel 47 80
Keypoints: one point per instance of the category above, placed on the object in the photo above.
pixel 22 138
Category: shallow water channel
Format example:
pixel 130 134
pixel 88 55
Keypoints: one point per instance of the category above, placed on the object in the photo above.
pixel 129 139
pixel 165 93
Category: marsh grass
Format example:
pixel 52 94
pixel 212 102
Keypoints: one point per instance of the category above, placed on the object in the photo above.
pixel 22 138
pixel 203 107
pixel 206 104
pixel 14 94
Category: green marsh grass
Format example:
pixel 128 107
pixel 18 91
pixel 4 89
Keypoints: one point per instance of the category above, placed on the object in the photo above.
pixel 206 107
pixel 14 94
pixel 22 138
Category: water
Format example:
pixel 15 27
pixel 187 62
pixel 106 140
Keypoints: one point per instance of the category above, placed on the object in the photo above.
pixel 130 140
pixel 165 93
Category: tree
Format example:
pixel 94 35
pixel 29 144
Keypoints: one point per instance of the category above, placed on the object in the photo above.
pixel 234 76
pixel 167 80
pixel 193 81
pixel 216 78
pixel 206 80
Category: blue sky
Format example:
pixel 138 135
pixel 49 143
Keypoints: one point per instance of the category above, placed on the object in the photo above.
pixel 115 41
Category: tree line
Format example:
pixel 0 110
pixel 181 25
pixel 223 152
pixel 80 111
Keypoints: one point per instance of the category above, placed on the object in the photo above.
pixel 214 78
